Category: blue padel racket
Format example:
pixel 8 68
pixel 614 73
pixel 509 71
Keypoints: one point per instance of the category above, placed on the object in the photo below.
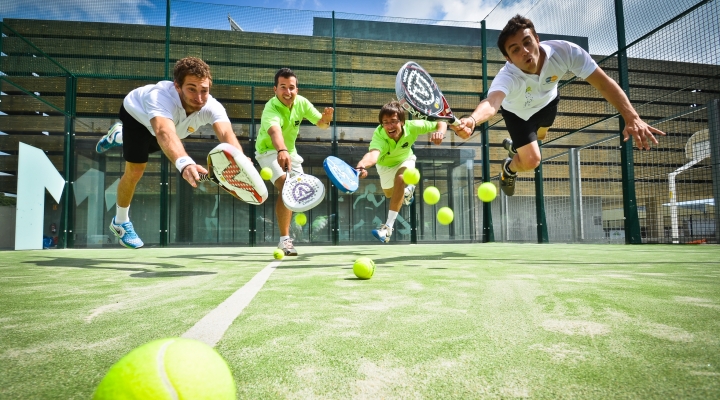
pixel 343 176
pixel 418 93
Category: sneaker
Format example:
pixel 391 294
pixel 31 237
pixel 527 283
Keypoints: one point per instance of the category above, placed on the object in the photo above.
pixel 383 233
pixel 409 195
pixel 508 145
pixel 110 140
pixel 507 181
pixel 126 234
pixel 287 247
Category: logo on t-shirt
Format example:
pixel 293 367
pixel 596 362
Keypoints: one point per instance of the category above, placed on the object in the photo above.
pixel 551 79
pixel 191 129
pixel 296 123
pixel 405 145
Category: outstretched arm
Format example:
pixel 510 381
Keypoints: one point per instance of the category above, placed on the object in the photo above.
pixel 484 111
pixel 368 160
pixel 175 151
pixel 641 132
pixel 326 119
pixel 224 132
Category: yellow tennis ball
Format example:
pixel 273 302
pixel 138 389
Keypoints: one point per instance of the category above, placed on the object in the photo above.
pixel 487 192
pixel 278 254
pixel 431 195
pixel 364 268
pixel 301 219
pixel 169 368
pixel 445 215
pixel 266 173
pixel 411 176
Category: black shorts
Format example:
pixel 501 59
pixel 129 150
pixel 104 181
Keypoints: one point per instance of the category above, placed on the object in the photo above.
pixel 525 132
pixel 138 142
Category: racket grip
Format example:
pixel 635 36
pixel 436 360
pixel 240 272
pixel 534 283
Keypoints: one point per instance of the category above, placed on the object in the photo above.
pixel 204 178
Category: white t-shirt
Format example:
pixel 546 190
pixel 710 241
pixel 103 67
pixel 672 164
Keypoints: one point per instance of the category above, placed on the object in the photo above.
pixel 526 94
pixel 163 100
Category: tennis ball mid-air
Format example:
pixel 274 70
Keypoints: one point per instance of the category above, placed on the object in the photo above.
pixel 266 173
pixel 278 254
pixel 411 176
pixel 431 195
pixel 445 215
pixel 364 268
pixel 301 219
pixel 487 192
pixel 169 368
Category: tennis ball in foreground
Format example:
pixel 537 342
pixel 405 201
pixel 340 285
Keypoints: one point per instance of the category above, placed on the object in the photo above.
pixel 278 254
pixel 411 176
pixel 445 216
pixel 431 195
pixel 364 268
pixel 301 219
pixel 169 368
pixel 266 173
pixel 487 192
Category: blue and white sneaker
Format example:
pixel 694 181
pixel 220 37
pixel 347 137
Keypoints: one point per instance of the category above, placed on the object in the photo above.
pixel 383 233
pixel 112 139
pixel 126 234
pixel 409 195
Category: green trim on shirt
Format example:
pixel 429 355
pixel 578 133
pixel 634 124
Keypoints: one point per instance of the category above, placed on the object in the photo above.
pixel 276 113
pixel 394 153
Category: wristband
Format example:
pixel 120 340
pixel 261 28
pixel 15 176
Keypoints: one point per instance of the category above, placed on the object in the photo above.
pixel 474 122
pixel 282 150
pixel 183 162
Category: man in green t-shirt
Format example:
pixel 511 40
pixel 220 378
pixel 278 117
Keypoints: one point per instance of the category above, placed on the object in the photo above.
pixel 275 147
pixel 391 149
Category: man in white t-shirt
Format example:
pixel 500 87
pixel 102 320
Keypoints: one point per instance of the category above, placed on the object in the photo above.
pixel 156 117
pixel 526 88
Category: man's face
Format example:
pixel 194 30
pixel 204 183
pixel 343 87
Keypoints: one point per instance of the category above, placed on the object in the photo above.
pixel 523 50
pixel 194 93
pixel 393 126
pixel 286 90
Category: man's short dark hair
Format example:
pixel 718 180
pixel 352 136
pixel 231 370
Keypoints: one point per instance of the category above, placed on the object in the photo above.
pixel 516 23
pixel 391 108
pixel 285 73
pixel 190 66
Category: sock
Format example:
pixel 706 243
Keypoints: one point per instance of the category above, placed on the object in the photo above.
pixel 508 170
pixel 118 137
pixel 283 238
pixel 121 214
pixel 392 215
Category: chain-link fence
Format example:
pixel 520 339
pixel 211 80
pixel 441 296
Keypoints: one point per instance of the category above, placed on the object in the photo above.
pixel 67 66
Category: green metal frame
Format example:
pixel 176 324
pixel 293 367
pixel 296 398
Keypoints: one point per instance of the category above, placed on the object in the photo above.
pixel 542 231
pixel 632 222
pixel 488 234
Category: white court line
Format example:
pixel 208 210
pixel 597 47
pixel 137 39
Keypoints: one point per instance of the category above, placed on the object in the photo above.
pixel 211 328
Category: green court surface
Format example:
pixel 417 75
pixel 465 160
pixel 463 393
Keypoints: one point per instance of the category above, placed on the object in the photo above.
pixel 437 321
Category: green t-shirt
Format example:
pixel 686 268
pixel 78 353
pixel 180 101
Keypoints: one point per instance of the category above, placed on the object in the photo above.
pixel 392 153
pixel 276 113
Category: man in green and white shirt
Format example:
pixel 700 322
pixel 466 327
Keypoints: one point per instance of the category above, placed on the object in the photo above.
pixel 275 146
pixel 391 151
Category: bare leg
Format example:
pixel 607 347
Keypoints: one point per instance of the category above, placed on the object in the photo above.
pixel 527 158
pixel 284 215
pixel 126 187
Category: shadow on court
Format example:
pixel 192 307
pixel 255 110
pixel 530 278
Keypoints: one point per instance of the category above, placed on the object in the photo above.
pixel 137 272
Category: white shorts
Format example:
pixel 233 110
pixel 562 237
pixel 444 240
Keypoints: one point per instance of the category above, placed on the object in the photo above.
pixel 387 174
pixel 269 159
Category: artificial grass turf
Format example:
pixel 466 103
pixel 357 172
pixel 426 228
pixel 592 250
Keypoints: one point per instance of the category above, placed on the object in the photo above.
pixel 436 321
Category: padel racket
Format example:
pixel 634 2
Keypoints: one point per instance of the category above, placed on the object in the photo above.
pixel 418 93
pixel 235 175
pixel 302 192
pixel 343 176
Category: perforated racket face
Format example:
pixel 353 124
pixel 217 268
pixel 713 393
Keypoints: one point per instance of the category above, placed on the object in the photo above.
pixel 418 89
pixel 302 192
pixel 238 181
pixel 419 94
pixel 343 176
